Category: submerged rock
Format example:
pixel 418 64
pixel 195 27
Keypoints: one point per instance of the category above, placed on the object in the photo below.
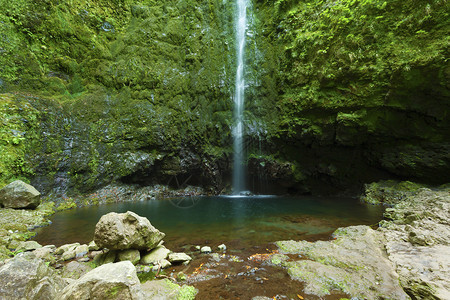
pixel 110 281
pixel 354 263
pixel 18 194
pixel 126 231
pixel 27 277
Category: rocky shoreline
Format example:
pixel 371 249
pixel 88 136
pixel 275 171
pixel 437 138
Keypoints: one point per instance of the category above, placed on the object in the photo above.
pixel 406 257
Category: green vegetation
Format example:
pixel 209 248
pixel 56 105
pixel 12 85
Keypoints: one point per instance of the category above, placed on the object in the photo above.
pixel 66 204
pixel 145 276
pixel 141 91
pixel 347 53
pixel 362 86
pixel 389 191
pixel 185 292
pixel 134 79
pixel 18 120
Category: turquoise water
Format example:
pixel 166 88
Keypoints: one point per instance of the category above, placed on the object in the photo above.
pixel 243 221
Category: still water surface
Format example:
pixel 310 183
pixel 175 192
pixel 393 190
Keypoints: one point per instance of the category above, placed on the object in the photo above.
pixel 245 221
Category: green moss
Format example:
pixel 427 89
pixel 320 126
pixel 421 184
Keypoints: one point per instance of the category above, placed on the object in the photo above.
pixel 67 203
pixel 145 276
pixel 5 253
pixel 18 124
pixel 115 290
pixel 278 259
pixel 47 208
pixel 187 293
pixel 389 191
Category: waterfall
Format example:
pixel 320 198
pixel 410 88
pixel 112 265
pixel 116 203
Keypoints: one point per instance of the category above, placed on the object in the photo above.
pixel 238 146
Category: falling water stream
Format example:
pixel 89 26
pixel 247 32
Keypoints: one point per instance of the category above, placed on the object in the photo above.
pixel 238 147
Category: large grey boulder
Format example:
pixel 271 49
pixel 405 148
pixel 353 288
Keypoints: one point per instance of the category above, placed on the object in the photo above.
pixel 18 194
pixel 27 277
pixel 355 263
pixel 126 231
pixel 417 231
pixel 110 281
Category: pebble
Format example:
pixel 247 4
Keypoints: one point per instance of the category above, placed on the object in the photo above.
pixel 205 249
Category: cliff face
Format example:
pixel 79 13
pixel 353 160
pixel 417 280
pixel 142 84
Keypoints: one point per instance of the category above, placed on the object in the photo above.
pixel 136 91
pixel 339 92
pixel 363 88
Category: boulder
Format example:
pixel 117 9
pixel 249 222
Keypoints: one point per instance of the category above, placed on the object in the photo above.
pixel 156 255
pixel 65 248
pixel 131 255
pixel 14 244
pixel 105 258
pixel 28 246
pixel 179 257
pixel 110 281
pixel 93 246
pixel 45 254
pixel 355 263
pixel 164 263
pixel 417 232
pixel 18 194
pixel 75 270
pixel 77 252
pixel 4 253
pixel 51 247
pixel 27 277
pixel 126 231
